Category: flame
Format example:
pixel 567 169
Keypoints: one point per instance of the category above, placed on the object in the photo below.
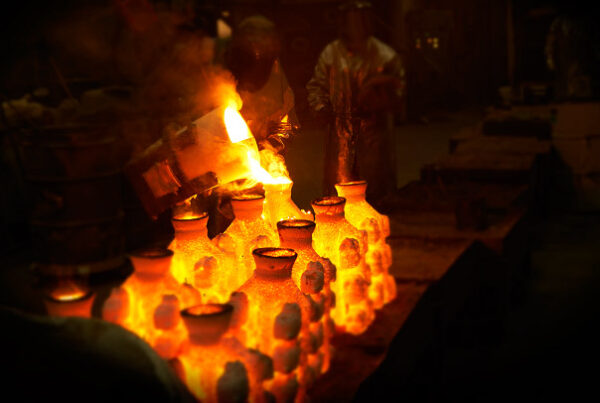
pixel 69 298
pixel 287 318
pixel 266 167
pixel 274 165
pixel 188 215
pixel 262 175
pixel 238 131
pixel 68 290
pixel 184 210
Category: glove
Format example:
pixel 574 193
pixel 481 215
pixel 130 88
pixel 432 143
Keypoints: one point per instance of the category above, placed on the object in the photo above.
pixel 379 93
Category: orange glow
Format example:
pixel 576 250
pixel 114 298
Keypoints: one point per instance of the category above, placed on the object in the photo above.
pixel 149 301
pixel 278 191
pixel 237 129
pixel 280 206
pixel 284 119
pixel 346 246
pixel 274 165
pixel 254 309
pixel 260 174
pixel 204 357
pixel 72 293
pixel 198 261
pixel 279 253
pixel 313 275
pixel 189 216
pixel 205 309
pixel 216 366
pixel 69 299
pixel 377 226
pixel 277 321
pixel 248 231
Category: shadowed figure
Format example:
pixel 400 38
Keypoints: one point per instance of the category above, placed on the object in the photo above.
pixel 356 78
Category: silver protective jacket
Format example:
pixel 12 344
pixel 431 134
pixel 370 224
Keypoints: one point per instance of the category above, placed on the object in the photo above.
pixel 337 89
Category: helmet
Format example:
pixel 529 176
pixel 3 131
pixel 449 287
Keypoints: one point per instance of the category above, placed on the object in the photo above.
pixel 355 23
pixel 254 47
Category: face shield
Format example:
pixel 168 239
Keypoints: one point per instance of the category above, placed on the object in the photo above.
pixel 255 46
pixel 355 25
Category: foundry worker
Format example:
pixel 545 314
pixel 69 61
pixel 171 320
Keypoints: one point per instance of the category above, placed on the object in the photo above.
pixel 253 58
pixel 357 77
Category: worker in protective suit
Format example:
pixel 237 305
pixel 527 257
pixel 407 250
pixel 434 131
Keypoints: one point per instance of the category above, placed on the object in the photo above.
pixel 253 58
pixel 267 100
pixel 355 79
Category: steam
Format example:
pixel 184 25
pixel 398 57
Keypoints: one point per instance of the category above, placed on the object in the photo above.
pixel 168 66
pixel 156 51
pixel 274 164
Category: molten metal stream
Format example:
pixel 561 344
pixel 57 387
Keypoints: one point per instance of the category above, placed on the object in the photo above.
pixel 249 315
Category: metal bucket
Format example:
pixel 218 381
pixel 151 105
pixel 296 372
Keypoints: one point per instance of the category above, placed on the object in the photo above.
pixel 73 180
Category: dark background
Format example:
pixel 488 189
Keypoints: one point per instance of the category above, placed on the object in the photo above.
pixel 553 340
pixel 472 60
pixel 482 45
